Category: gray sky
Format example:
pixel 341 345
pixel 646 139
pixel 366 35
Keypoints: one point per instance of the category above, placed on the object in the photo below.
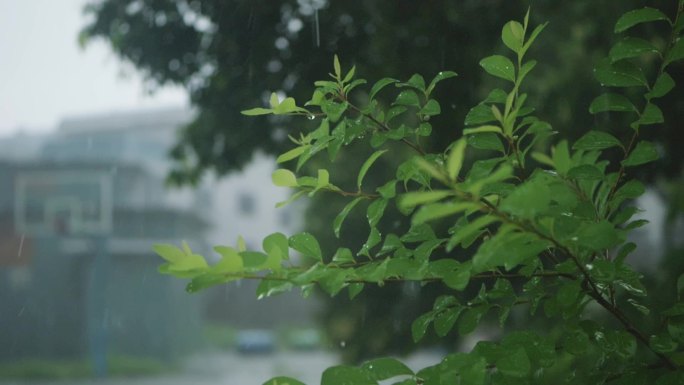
pixel 45 76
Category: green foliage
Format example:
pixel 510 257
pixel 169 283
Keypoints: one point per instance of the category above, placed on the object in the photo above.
pixel 549 237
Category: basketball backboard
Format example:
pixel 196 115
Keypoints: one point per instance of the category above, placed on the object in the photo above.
pixel 62 202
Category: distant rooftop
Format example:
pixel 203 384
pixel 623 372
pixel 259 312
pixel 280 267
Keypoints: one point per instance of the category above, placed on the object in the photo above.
pixel 123 120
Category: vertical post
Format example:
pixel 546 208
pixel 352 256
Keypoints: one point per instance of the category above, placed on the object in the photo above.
pixel 98 312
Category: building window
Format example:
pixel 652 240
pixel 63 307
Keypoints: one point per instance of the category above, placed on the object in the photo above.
pixel 246 204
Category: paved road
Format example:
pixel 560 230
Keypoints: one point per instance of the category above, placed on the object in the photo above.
pixel 237 369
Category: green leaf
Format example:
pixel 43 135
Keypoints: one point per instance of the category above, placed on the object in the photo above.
pixel 663 85
pixel 430 108
pixel 479 114
pixel 625 343
pixel 189 263
pixel 619 74
pixel 641 308
pixel 292 154
pixel 596 140
pixel 355 289
pixel 231 262
pixel 676 52
pixel 333 109
pixel 481 129
pixel 638 16
pixel 624 251
pixel 496 95
pixel 407 98
pixel 257 111
pixel 337 67
pixel 644 152
pixel 528 200
pixel 323 178
pixel 276 241
pixel 286 106
pixel 412 199
pixel 366 165
pixel 284 178
pixel 384 368
pixel 343 255
pixel 663 343
pixel 632 189
pixel 512 35
pixel 333 281
pixel 537 30
pixel 388 190
pixel 598 236
pixel 339 219
pixel 283 381
pixel 375 211
pixel 291 199
pixel 438 78
pixel 630 47
pixel 253 259
pixel 374 237
pixel 470 319
pixel 440 210
pixel 457 280
pixel 525 69
pixel 561 157
pixel 514 363
pixel 416 81
pixel 419 326
pixel 475 373
pixel 508 249
pixel 499 66
pixel 611 102
pixel 346 375
pixel 306 244
pixel 170 253
pixel 469 230
pixel 425 129
pixel 651 115
pixel 585 172
pixel 379 85
pixel 455 159
pixel 486 141
pixel 445 320
pixel 350 75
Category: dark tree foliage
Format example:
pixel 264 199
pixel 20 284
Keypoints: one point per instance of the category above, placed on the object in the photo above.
pixel 228 52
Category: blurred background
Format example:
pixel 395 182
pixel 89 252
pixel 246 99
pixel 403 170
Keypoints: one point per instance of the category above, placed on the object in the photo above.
pixel 120 128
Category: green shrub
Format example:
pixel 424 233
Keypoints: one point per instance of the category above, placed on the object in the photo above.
pixel 542 232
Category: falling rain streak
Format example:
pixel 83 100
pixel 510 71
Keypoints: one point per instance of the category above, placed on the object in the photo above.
pixel 21 246
pixel 317 28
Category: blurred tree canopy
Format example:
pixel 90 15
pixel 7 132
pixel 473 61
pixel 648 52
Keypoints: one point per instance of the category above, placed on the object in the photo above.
pixel 230 54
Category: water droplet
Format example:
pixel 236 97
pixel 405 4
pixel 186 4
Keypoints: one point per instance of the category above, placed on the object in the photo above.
pixel 311 116
pixel 343 344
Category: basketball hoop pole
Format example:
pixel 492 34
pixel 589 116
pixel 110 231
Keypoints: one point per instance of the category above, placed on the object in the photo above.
pixel 74 203
pixel 97 320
